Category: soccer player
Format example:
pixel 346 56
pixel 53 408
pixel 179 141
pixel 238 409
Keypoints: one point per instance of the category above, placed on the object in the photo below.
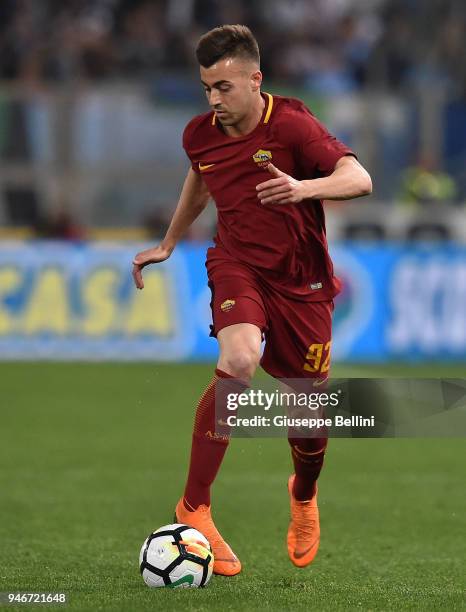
pixel 268 163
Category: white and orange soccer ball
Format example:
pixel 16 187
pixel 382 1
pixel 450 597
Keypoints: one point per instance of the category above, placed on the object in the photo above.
pixel 176 556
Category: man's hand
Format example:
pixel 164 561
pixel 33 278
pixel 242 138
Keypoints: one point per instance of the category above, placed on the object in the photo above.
pixel 282 189
pixel 144 258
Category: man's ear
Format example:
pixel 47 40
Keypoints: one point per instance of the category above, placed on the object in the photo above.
pixel 256 80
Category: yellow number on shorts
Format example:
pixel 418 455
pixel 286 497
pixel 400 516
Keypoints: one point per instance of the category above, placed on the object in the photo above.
pixel 326 364
pixel 314 356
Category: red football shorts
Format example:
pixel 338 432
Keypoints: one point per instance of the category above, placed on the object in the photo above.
pixel 297 334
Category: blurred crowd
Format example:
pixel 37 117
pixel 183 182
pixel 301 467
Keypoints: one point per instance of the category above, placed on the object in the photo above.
pixel 321 49
pixel 329 46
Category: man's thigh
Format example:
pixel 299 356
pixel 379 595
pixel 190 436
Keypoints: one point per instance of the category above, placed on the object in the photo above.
pixel 236 299
pixel 298 338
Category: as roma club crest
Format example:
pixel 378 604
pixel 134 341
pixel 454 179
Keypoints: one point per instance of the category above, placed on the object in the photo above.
pixel 227 305
pixel 262 158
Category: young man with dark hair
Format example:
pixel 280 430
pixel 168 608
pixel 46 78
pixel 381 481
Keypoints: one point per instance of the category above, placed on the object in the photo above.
pixel 268 163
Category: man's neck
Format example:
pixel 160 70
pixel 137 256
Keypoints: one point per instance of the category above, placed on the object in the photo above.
pixel 249 123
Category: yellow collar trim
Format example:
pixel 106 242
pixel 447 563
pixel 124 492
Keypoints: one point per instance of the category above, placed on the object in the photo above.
pixel 269 108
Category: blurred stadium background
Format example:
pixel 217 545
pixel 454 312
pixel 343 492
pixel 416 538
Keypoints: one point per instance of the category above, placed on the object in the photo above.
pixel 94 95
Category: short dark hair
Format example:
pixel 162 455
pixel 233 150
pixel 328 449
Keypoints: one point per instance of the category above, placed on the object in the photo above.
pixel 227 41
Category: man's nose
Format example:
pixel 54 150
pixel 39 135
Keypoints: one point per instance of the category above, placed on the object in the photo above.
pixel 214 98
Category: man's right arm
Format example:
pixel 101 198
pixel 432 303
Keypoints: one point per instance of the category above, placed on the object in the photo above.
pixel 193 199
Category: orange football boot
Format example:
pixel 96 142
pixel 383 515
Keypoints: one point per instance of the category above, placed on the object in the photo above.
pixel 226 562
pixel 304 530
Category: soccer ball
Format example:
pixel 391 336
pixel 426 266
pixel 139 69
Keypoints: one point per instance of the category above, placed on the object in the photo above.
pixel 176 556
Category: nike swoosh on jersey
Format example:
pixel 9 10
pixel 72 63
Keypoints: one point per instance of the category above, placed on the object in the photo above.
pixel 201 167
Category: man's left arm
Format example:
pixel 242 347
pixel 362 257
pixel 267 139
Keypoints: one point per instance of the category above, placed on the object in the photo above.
pixel 348 180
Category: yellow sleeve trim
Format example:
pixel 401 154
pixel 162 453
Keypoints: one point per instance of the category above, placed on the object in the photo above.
pixel 213 118
pixel 269 108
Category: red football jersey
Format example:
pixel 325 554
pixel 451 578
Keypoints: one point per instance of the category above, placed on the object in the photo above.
pixel 284 243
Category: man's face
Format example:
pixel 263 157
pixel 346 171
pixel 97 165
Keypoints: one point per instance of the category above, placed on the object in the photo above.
pixel 231 85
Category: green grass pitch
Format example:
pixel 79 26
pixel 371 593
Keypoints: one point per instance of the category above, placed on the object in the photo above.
pixel 93 457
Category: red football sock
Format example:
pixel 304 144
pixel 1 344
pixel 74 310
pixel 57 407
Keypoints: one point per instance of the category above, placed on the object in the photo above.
pixel 208 445
pixel 308 458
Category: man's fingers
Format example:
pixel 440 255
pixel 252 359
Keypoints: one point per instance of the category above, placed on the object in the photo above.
pixel 271 183
pixel 274 170
pixel 274 191
pixel 138 277
pixel 145 258
pixel 278 199
pixel 140 260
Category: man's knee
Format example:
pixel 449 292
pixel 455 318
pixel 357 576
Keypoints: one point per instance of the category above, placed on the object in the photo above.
pixel 240 362
pixel 240 348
